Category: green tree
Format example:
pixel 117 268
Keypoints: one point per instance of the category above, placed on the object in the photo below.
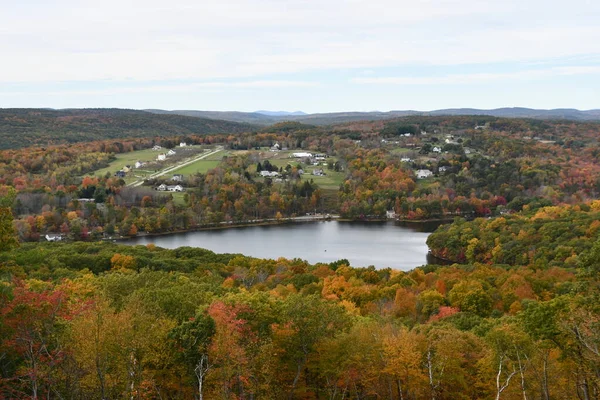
pixel 8 234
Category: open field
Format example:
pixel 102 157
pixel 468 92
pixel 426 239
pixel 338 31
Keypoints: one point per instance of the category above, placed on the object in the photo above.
pixel 149 155
pixel 332 180
pixel 127 159
pixel 281 159
pixel 200 166
pixel 218 156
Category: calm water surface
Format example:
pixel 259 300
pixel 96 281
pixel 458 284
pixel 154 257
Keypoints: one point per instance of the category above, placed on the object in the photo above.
pixel 382 244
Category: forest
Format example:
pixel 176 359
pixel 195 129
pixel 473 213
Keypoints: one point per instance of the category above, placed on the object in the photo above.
pixel 45 127
pixel 511 314
pixel 101 320
pixel 477 173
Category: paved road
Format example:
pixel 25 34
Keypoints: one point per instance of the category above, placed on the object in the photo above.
pixel 175 167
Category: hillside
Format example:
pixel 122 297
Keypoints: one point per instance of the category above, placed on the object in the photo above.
pixel 27 127
pixel 342 117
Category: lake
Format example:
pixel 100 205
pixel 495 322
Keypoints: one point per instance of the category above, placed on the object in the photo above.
pixel 382 244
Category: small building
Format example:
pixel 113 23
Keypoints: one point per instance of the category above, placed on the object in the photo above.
pixel 318 172
pixel 161 157
pixel 269 174
pixel 391 214
pixel 120 174
pixel 406 159
pixel 53 238
pixel 301 155
pixel 162 187
pixel 443 169
pixel 157 148
pixel 175 188
pixel 183 144
pixel 171 152
pixel 139 164
pixel 126 168
pixel 275 147
pixel 177 178
pixel 437 149
pixel 423 173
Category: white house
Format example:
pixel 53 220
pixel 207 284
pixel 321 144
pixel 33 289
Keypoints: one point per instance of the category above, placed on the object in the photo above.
pixel 318 172
pixel 162 188
pixel 405 159
pixel 269 173
pixel 275 147
pixel 443 169
pixel 157 148
pixel 423 173
pixel 390 214
pixel 182 144
pixel 176 188
pixel 301 155
pixel 437 149
pixel 177 178
pixel 171 153
pixel 139 164
pixel 53 238
pixel 161 157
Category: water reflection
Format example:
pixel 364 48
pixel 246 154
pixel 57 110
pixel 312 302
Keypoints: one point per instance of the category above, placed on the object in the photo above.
pixel 381 244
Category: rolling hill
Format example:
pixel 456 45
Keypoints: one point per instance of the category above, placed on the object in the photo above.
pixel 28 127
pixel 261 118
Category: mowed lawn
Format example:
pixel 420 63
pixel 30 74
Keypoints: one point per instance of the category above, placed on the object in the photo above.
pixel 128 159
pixel 200 166
pixel 204 165
pixel 331 180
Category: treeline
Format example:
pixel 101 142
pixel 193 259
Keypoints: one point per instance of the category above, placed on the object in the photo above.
pixel 103 320
pixel 27 127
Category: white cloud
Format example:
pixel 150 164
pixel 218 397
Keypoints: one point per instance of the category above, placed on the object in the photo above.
pixel 79 40
pixel 474 78
pixel 158 88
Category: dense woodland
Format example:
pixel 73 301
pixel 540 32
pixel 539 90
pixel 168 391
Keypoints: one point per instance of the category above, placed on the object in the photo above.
pixel 515 317
pixel 44 127
pixel 102 320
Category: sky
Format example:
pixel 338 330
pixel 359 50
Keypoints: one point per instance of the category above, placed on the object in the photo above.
pixel 309 55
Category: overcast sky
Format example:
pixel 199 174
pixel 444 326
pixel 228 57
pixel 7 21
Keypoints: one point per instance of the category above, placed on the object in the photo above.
pixel 309 55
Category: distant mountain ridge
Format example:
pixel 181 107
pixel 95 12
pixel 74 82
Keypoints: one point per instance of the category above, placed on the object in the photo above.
pixel 272 117
pixel 23 127
pixel 279 113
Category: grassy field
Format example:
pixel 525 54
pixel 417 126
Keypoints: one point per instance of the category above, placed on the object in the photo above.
pixel 128 159
pixel 332 180
pixel 150 155
pixel 178 198
pixel 201 166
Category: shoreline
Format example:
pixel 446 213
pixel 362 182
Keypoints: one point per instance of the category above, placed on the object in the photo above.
pixel 229 225
pixel 272 222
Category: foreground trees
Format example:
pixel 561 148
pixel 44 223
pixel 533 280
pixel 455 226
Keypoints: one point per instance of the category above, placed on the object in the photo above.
pixel 188 323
